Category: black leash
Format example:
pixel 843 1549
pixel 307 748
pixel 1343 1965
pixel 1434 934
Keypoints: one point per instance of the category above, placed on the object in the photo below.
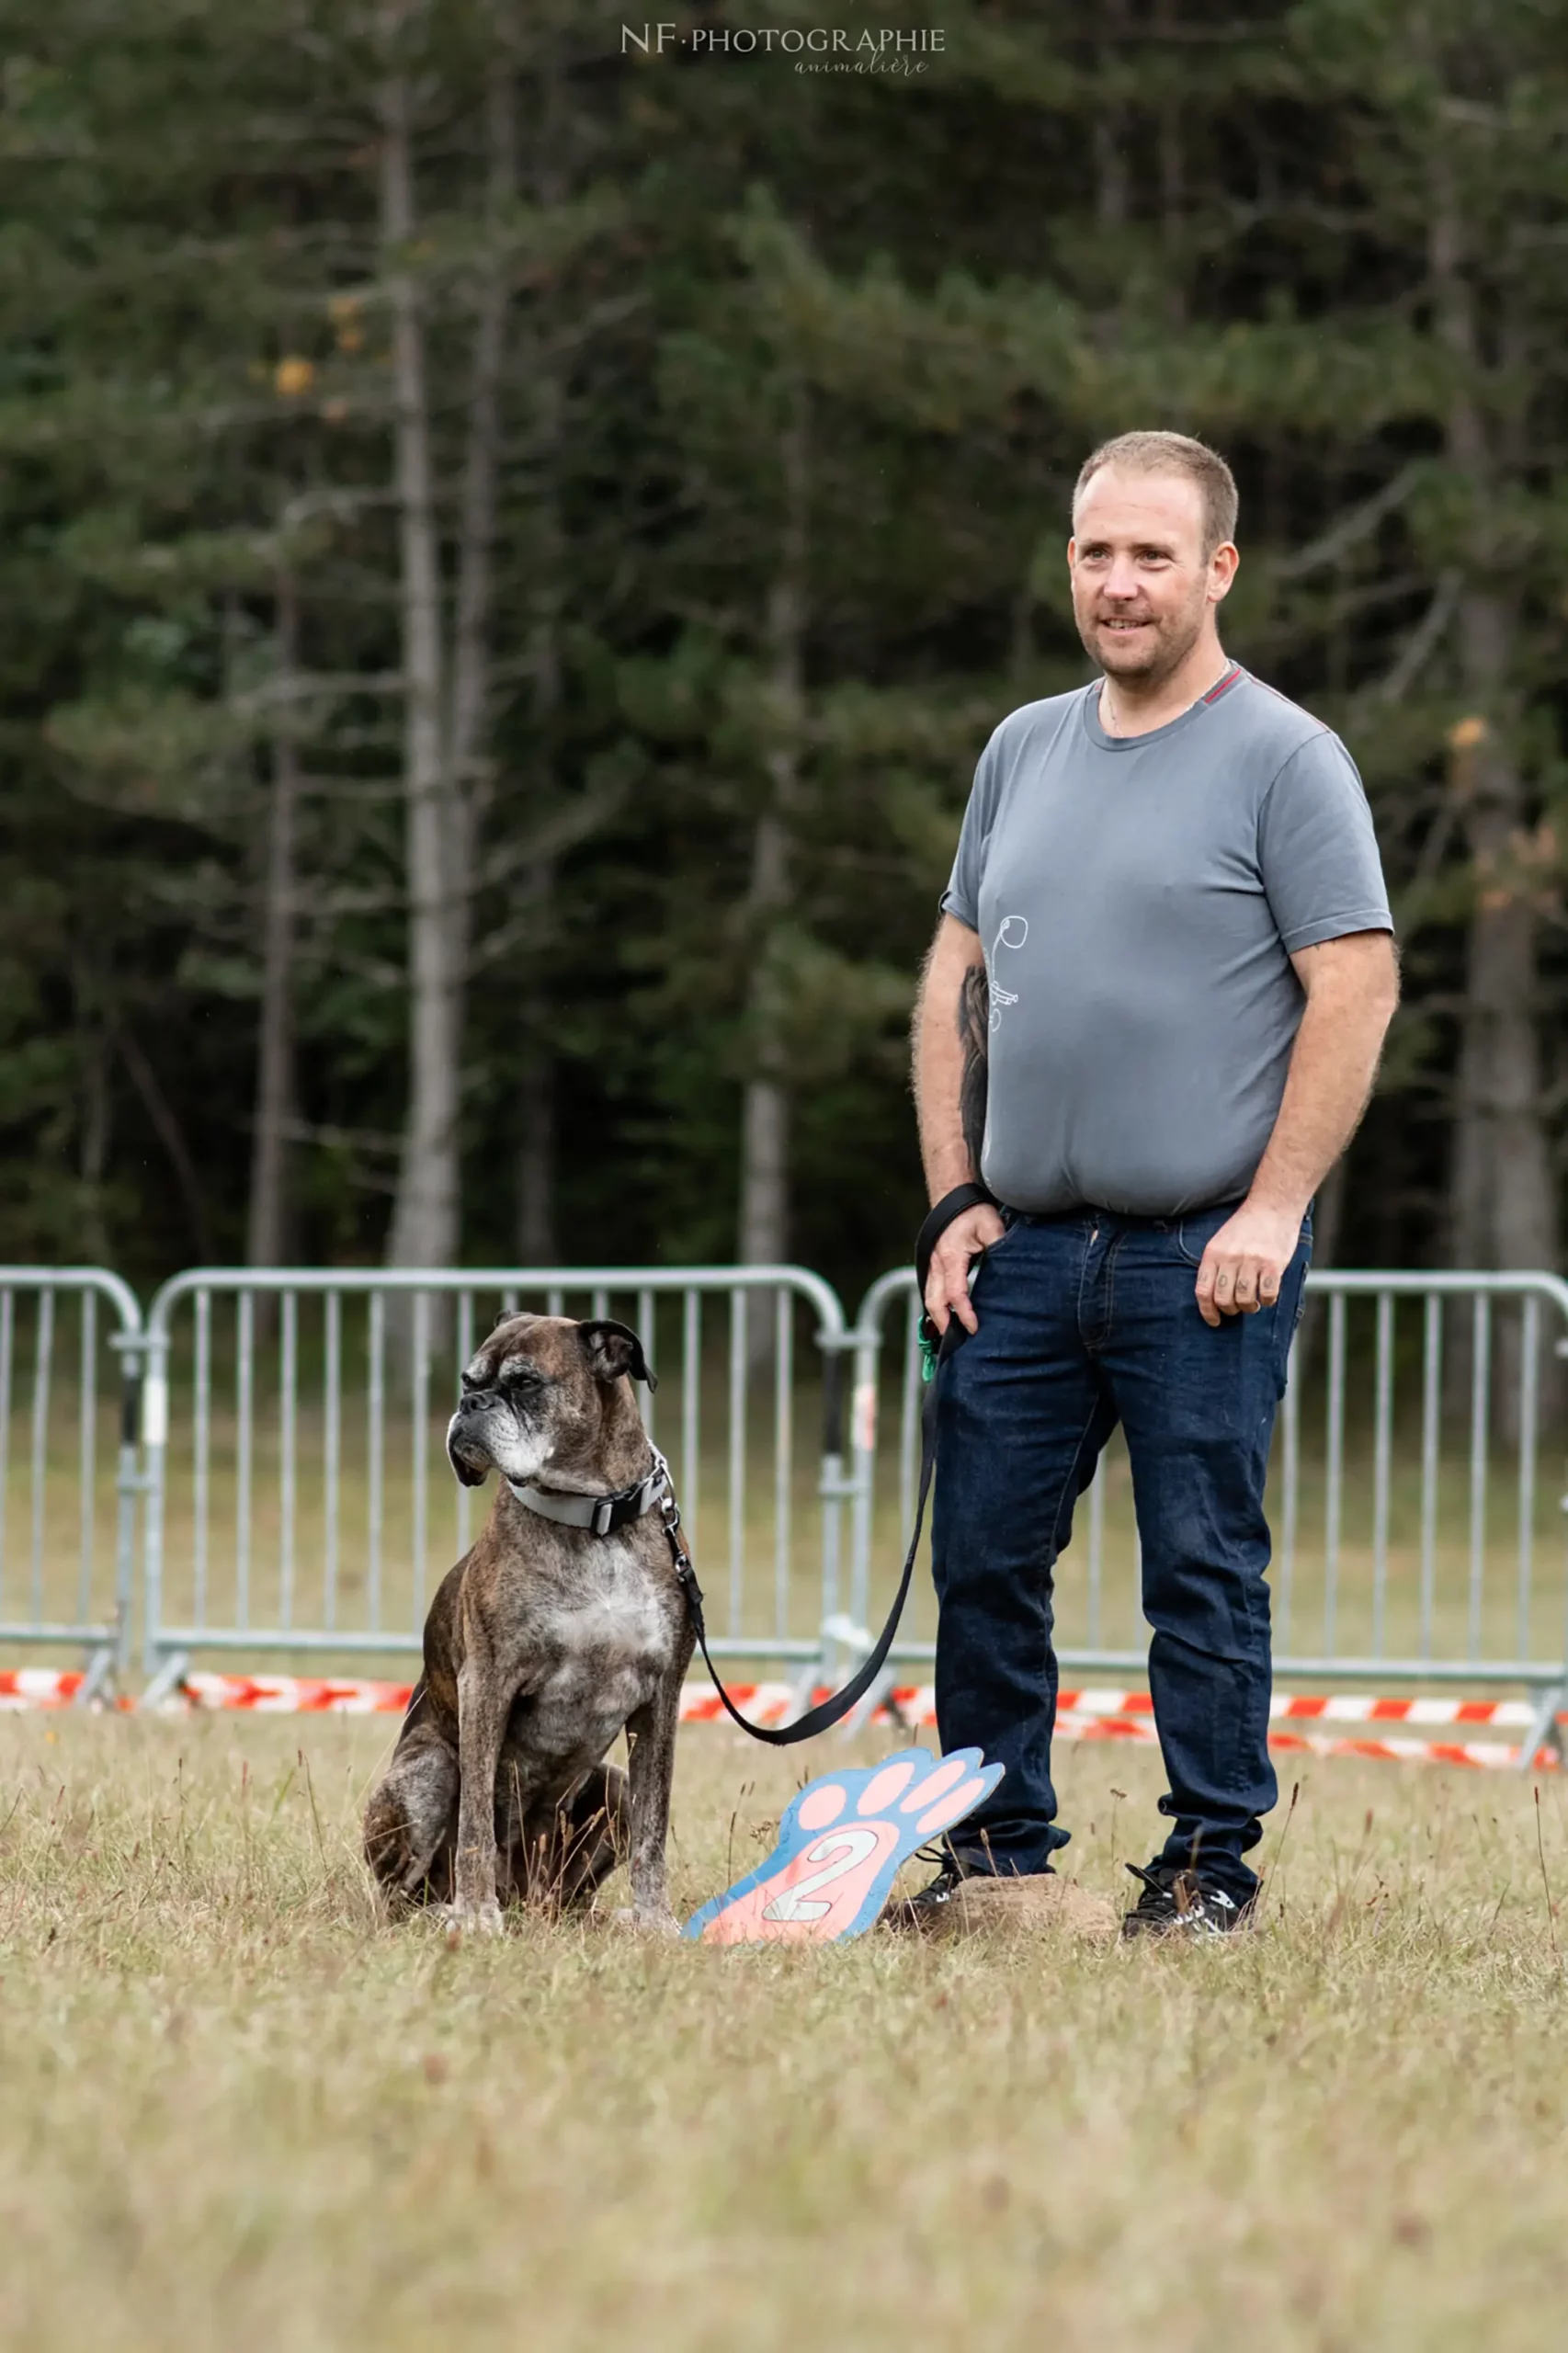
pixel 831 1711
pixel 826 1711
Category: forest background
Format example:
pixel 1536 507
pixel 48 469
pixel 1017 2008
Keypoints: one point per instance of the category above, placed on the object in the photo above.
pixel 513 534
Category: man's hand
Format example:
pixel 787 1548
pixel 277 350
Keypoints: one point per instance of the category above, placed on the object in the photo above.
pixel 1245 1260
pixel 1352 988
pixel 947 1285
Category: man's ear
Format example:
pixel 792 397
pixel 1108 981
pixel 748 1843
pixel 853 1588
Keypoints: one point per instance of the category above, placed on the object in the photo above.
pixel 613 1348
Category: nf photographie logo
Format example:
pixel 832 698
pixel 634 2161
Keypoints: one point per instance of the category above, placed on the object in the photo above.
pixel 812 49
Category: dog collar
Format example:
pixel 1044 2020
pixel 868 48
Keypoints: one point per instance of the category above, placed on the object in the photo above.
pixel 602 1514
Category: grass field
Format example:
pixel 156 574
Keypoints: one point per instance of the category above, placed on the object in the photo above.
pixel 240 2110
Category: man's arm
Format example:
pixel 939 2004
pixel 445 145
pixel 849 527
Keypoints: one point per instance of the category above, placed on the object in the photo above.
pixel 939 1098
pixel 1352 987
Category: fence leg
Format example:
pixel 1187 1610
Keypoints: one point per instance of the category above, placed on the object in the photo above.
pixel 862 1462
pixel 880 1695
pixel 97 1678
pixel 832 1487
pixel 1545 1732
pixel 128 1484
pixel 843 1632
pixel 803 1691
pixel 154 1434
pixel 167 1680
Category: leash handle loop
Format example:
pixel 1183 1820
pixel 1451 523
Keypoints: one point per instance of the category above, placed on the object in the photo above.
pixel 937 1220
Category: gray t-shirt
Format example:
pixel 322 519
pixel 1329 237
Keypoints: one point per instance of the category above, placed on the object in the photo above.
pixel 1136 899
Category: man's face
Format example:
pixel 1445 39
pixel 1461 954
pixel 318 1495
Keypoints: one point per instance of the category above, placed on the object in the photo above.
pixel 1142 589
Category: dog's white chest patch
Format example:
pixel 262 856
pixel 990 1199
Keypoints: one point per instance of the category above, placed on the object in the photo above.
pixel 612 1638
pixel 626 1625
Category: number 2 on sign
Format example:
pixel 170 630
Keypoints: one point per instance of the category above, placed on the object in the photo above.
pixel 839 1854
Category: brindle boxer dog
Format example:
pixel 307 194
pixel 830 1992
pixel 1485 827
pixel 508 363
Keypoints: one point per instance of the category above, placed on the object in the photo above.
pixel 543 1644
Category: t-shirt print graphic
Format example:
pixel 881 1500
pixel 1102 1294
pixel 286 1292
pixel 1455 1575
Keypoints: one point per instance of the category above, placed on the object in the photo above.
pixel 1012 932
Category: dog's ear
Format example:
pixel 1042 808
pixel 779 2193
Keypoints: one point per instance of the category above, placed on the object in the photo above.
pixel 613 1348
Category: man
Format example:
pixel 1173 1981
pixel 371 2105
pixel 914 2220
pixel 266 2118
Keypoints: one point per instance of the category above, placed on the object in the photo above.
pixel 1171 880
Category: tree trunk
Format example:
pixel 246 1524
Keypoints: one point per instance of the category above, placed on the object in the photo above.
pixel 537 1243
pixel 92 1049
pixel 539 1235
pixel 445 785
pixel 425 1215
pixel 1172 160
pixel 166 1126
pixel 1111 168
pixel 468 782
pixel 1110 127
pixel 266 1235
pixel 764 1234
pixel 1502 1206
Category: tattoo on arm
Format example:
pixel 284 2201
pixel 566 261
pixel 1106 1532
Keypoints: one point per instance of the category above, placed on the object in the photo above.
pixel 974 1036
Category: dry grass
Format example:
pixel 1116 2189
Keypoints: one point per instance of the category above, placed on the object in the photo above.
pixel 238 2108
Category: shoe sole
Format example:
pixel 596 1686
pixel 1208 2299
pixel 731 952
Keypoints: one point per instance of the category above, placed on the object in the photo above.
pixel 1163 1931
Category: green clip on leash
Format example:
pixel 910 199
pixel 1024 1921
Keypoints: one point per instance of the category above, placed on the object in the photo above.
pixel 937 1220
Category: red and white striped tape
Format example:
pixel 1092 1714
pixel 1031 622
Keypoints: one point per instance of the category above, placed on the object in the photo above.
pixel 294 1695
pixel 37 1686
pixel 1130 1716
pixel 1087 1714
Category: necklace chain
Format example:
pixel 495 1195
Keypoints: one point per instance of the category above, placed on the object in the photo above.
pixel 1115 727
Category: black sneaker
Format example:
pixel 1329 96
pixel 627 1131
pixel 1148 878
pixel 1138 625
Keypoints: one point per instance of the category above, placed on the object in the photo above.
pixel 1183 1903
pixel 923 1909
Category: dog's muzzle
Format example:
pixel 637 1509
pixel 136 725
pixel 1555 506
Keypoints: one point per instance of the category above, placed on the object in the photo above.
pixel 467 1450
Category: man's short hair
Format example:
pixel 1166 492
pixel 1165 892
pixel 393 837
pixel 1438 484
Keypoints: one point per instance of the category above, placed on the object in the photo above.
pixel 1172 453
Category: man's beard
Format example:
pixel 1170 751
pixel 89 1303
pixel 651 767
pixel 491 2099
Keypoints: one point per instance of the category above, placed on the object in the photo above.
pixel 1151 657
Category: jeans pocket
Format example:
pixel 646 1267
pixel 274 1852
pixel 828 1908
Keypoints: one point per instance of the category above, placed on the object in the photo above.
pixel 1198 1229
pixel 1288 1323
pixel 1011 1220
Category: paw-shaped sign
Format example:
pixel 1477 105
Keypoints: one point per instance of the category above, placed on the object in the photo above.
pixel 840 1841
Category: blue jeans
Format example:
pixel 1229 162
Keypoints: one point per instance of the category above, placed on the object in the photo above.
pixel 1087 1320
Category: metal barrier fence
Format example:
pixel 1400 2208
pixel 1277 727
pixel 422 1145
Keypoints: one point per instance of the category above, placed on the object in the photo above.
pixel 297 1499
pixel 69 1473
pixel 1415 1540
pixel 298 1495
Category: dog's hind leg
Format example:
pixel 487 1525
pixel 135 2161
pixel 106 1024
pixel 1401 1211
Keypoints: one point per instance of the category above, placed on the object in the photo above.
pixel 567 1853
pixel 411 1824
pixel 599 1813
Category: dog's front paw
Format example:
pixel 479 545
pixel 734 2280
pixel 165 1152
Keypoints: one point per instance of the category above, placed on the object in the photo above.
pixel 473 1919
pixel 647 1924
